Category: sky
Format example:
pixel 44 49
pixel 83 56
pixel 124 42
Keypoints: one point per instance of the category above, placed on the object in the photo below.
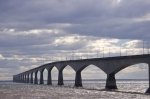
pixel 35 32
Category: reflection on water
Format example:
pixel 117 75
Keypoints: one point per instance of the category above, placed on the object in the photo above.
pixel 90 90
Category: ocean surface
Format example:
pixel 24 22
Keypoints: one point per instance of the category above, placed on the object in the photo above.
pixel 128 89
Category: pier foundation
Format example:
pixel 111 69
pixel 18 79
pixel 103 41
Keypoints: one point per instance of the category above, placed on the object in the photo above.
pixel 78 79
pixel 31 80
pixel 148 90
pixel 49 79
pixel 111 82
pixel 36 79
pixel 60 78
pixel 41 77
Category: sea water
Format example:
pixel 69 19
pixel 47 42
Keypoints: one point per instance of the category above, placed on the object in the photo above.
pixel 90 90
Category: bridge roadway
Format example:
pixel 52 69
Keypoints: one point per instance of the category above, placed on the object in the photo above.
pixel 110 65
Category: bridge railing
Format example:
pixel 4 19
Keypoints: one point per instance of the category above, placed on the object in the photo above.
pixel 97 53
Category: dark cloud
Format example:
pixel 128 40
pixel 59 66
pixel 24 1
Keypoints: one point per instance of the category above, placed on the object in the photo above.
pixel 87 17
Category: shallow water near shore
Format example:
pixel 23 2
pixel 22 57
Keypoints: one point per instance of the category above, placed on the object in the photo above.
pixel 90 90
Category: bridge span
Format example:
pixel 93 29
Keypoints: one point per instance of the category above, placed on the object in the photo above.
pixel 110 65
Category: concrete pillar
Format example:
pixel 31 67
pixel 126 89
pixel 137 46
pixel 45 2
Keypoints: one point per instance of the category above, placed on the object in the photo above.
pixel 111 82
pixel 49 79
pixel 41 77
pixel 27 78
pixel 36 79
pixel 60 78
pixel 18 78
pixel 21 79
pixel 78 79
pixel 24 78
pixel 13 78
pixel 148 90
pixel 31 80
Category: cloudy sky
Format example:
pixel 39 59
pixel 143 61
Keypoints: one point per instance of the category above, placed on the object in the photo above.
pixel 34 32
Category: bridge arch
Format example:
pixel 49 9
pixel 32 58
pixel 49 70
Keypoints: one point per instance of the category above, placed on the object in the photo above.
pixel 138 67
pixel 92 74
pixel 68 75
pixel 38 77
pixel 54 75
pixel 135 72
pixel 45 76
pixel 129 65
pixel 95 69
pixel 33 77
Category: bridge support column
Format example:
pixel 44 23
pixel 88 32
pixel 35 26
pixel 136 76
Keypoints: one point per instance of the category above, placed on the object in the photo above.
pixel 41 77
pixel 60 78
pixel 36 79
pixel 18 78
pixel 148 90
pixel 31 80
pixel 111 82
pixel 78 79
pixel 25 78
pixel 21 79
pixel 13 78
pixel 28 78
pixel 49 79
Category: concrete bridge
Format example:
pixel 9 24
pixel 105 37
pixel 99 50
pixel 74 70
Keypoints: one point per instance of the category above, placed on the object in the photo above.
pixel 110 65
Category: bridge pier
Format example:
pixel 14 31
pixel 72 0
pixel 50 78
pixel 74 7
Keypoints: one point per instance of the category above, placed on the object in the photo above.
pixel 41 77
pixel 111 82
pixel 36 79
pixel 78 79
pixel 31 80
pixel 49 79
pixel 27 78
pixel 24 79
pixel 13 78
pixel 148 90
pixel 20 78
pixel 60 78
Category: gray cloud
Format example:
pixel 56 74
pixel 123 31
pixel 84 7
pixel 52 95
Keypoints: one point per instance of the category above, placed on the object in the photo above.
pixel 87 17
pixel 32 32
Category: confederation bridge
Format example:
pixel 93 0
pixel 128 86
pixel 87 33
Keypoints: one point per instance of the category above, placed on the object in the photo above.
pixel 110 65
